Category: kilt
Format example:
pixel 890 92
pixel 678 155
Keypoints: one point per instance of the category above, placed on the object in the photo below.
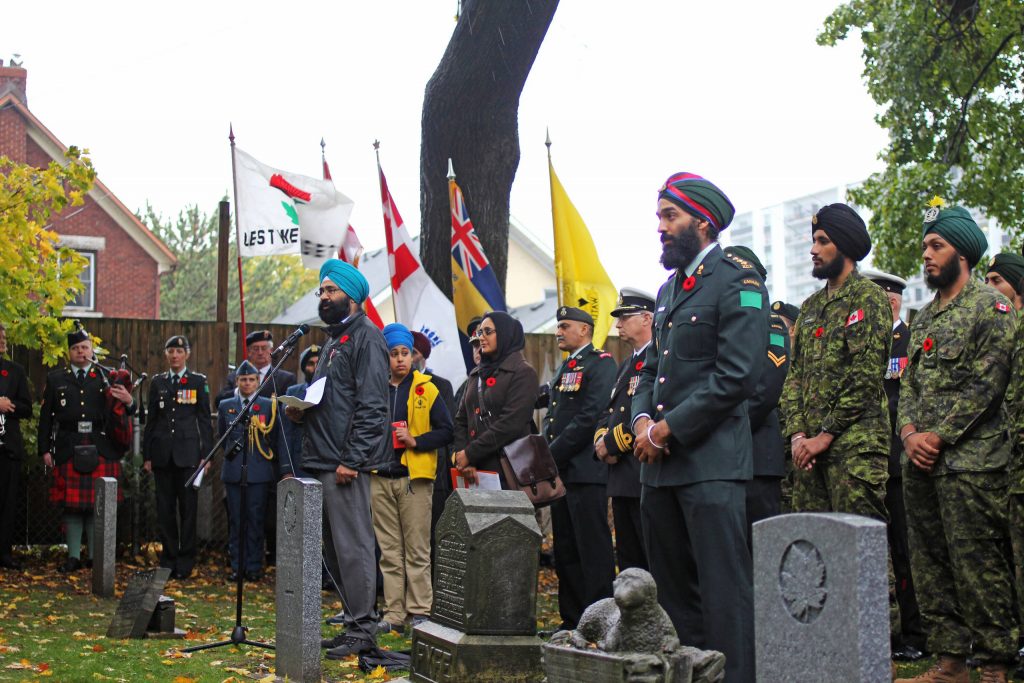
pixel 76 491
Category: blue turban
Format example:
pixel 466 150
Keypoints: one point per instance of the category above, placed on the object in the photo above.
pixel 347 277
pixel 397 334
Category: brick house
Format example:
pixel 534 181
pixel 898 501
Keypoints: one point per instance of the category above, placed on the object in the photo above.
pixel 125 258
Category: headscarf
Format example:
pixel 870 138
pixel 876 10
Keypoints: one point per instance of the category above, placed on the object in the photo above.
pixel 845 228
pixel 422 344
pixel 509 338
pixel 698 197
pixel 347 277
pixel 397 334
pixel 956 226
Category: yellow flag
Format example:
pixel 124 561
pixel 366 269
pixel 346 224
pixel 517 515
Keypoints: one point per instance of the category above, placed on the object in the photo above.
pixel 582 280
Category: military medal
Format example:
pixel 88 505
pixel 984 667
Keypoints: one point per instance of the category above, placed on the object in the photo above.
pixel 633 382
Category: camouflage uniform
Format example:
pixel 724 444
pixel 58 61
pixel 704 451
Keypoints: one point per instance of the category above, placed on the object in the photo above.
pixel 956 514
pixel 834 385
pixel 1015 469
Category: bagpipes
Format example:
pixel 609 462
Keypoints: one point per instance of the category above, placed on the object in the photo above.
pixel 119 422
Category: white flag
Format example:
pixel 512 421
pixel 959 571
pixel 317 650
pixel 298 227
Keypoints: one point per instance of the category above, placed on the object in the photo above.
pixel 419 303
pixel 288 213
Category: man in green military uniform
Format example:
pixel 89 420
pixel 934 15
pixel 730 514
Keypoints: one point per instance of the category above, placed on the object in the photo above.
pixel 953 431
pixel 578 394
pixel 833 401
pixel 691 425
pixel 1005 273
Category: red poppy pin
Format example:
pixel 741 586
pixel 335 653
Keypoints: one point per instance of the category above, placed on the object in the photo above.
pixel 639 365
pixel 491 381
pixel 927 345
pixel 183 380
pixel 3 373
pixel 820 331
pixel 92 374
pixel 256 408
pixel 476 410
pixel 344 338
pixel 419 391
pixel 572 363
pixel 689 283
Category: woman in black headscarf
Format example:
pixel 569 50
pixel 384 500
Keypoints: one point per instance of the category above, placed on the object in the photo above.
pixel 498 405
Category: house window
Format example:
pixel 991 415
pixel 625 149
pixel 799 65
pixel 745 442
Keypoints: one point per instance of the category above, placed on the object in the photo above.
pixel 86 299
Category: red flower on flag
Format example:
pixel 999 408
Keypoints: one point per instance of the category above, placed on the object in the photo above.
pixel 639 365
pixel 572 363
pixel 491 381
pixel 820 331
pixel 927 344
pixel 689 283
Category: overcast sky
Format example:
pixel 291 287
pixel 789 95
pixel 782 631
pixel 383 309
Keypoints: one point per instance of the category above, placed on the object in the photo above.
pixel 736 91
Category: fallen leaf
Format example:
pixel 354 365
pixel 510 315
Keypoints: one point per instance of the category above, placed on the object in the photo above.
pixel 97 648
pixel 236 670
pixel 184 679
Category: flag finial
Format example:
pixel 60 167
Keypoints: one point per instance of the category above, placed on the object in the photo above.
pixel 323 146
pixel 547 139
pixel 231 134
pixel 451 170
pixel 376 145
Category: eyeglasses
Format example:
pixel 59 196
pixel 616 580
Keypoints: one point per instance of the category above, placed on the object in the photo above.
pixel 486 331
pixel 329 291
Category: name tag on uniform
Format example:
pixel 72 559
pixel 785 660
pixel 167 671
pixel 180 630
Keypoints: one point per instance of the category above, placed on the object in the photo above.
pixel 85 427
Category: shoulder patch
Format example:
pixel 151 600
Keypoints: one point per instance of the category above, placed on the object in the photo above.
pixel 752 282
pixel 1002 307
pixel 778 359
pixel 750 299
pixel 777 340
pixel 742 263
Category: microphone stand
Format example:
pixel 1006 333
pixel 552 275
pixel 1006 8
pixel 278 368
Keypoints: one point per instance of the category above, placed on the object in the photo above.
pixel 238 633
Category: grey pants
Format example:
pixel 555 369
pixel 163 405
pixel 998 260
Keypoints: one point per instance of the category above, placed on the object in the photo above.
pixel 348 526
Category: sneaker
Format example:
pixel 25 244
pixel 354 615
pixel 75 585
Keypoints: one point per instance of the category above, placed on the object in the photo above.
pixel 337 620
pixel 946 670
pixel 385 626
pixel 350 645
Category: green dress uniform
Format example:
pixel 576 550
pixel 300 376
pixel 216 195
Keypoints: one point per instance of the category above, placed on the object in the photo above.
pixel 698 375
pixel 834 385
pixel 584 559
pixel 954 386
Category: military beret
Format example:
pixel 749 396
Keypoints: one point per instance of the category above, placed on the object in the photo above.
pixel 747 254
pixel 258 336
pixel 698 197
pixel 313 350
pixel 78 336
pixel 845 228
pixel 178 341
pixel 633 301
pixel 421 344
pixel 889 283
pixel 1009 265
pixel 958 227
pixel 246 368
pixel 573 313
pixel 786 310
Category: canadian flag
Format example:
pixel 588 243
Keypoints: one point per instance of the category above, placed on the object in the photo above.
pixel 855 317
pixel 419 303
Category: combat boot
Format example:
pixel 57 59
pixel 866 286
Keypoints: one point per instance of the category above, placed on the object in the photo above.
pixel 993 673
pixel 946 670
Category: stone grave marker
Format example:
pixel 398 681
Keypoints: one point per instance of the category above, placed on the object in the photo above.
pixel 483 625
pixel 299 533
pixel 138 603
pixel 105 533
pixel 821 599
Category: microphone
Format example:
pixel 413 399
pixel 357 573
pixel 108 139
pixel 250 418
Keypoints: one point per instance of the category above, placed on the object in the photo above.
pixel 292 339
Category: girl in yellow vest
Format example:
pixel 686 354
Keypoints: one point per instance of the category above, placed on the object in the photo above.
pixel 401 492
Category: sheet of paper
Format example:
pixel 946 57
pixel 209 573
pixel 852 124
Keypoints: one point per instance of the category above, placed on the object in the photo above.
pixel 485 480
pixel 314 392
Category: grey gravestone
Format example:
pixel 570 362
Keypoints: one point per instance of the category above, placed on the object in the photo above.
pixel 484 621
pixel 161 624
pixel 138 603
pixel 299 532
pixel 821 599
pixel 105 535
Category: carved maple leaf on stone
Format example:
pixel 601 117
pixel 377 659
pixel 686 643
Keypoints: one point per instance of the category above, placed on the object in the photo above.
pixel 802 581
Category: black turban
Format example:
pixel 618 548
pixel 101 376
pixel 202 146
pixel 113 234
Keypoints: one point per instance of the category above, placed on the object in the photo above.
pixel 845 228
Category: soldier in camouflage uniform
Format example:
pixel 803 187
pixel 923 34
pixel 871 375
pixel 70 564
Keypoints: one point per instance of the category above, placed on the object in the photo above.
pixel 953 431
pixel 833 402
pixel 1015 475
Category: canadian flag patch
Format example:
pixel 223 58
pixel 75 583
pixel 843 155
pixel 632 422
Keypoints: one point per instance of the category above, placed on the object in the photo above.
pixel 1001 307
pixel 855 317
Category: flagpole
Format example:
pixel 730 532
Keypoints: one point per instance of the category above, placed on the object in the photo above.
pixel 551 185
pixel 387 237
pixel 238 241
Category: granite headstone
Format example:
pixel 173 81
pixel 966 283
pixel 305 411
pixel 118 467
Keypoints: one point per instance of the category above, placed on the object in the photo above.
pixel 105 535
pixel 484 620
pixel 135 610
pixel 821 599
pixel 299 533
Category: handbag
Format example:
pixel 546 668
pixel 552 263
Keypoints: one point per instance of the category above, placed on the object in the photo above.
pixel 527 464
pixel 85 459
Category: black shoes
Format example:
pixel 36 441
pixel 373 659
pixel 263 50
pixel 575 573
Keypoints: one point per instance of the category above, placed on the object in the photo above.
pixel 350 645
pixel 72 564
pixel 906 653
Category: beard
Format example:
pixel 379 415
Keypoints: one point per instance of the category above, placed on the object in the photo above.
pixel 829 270
pixel 946 276
pixel 679 250
pixel 333 312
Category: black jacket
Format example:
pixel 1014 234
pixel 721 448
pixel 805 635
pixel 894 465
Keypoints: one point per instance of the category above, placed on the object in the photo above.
pixel 763 406
pixel 14 385
pixel 578 395
pixel 278 383
pixel 178 431
pixel 898 358
pixel 75 413
pixel 350 426
pixel 613 427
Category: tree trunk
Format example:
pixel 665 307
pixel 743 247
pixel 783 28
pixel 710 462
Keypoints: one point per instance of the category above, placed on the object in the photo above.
pixel 471 114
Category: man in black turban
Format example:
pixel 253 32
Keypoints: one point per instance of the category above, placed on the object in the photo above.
pixel 844 228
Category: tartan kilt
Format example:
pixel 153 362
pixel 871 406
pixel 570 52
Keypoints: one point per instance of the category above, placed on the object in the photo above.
pixel 76 491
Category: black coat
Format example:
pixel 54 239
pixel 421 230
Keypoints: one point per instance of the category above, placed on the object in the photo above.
pixel 277 383
pixel 14 385
pixel 578 396
pixel 67 402
pixel 178 431
pixel 898 359
pixel 763 406
pixel 509 400
pixel 350 426
pixel 614 428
